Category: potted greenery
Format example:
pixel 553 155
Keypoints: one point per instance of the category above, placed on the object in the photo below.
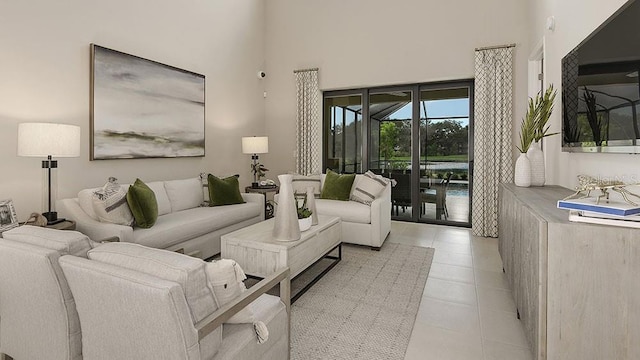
pixel 304 216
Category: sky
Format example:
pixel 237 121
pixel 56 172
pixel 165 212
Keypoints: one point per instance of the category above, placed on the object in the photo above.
pixel 438 108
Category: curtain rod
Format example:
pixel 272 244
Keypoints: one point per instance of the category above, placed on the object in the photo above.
pixel 303 70
pixel 496 47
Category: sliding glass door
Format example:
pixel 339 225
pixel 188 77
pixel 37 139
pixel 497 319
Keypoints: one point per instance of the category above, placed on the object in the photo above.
pixel 445 140
pixel 419 135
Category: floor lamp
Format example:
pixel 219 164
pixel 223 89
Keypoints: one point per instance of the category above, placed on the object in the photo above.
pixel 49 140
pixel 255 145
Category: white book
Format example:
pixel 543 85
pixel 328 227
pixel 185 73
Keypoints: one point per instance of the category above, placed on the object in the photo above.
pixel 604 219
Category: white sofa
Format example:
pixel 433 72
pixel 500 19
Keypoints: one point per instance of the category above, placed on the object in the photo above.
pixel 361 224
pixel 182 223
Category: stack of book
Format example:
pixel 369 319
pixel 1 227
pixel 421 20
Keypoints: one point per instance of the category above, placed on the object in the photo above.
pixel 615 211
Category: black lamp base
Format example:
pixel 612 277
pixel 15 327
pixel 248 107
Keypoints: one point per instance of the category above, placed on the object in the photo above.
pixel 52 218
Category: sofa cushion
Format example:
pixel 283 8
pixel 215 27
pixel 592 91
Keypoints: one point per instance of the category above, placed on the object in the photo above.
pixel 224 191
pixel 110 204
pixel 143 204
pixel 85 200
pixel 336 186
pixel 164 205
pixel 184 194
pixel 187 224
pixel 187 271
pixel 64 242
pixel 349 211
pixel 300 183
pixel 368 187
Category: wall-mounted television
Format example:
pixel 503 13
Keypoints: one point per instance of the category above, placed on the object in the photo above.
pixel 601 87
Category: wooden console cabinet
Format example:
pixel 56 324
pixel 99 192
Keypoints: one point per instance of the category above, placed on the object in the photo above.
pixel 576 285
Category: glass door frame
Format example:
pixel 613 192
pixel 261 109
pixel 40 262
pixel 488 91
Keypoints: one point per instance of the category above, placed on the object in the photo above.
pixel 415 90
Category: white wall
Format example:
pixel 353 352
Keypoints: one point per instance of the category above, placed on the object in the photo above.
pixel 44 76
pixel 575 20
pixel 380 42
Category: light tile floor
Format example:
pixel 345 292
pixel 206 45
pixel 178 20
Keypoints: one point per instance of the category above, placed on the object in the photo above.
pixel 467 310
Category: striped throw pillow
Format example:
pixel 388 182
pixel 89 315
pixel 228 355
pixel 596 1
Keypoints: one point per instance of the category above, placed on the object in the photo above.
pixel 204 179
pixel 110 204
pixel 368 188
pixel 300 183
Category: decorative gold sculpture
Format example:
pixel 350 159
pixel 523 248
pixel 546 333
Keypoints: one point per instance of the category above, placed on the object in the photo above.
pixel 588 184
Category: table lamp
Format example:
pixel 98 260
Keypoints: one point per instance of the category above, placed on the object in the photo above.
pixel 49 140
pixel 255 145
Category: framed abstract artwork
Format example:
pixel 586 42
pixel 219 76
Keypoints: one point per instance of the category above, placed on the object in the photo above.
pixel 144 109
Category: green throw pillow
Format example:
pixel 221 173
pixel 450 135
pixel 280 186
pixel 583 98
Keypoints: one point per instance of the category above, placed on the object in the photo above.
pixel 224 191
pixel 337 187
pixel 143 204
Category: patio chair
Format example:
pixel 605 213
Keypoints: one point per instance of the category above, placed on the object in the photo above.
pixel 439 197
pixel 401 193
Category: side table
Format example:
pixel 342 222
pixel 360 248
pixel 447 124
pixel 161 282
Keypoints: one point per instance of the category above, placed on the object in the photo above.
pixel 64 225
pixel 264 190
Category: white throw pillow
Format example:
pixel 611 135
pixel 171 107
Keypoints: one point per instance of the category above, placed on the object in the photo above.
pixel 110 204
pixel 368 188
pixel 226 278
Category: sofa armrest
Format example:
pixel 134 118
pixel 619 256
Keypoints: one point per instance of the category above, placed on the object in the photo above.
pixel 381 215
pixel 255 198
pixel 213 321
pixel 95 230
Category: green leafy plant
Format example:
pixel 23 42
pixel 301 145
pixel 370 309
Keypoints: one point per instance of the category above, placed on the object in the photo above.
pixel 303 211
pixel 535 124
pixel 528 127
pixel 544 107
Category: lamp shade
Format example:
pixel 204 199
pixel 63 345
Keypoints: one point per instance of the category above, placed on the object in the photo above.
pixel 255 145
pixel 44 139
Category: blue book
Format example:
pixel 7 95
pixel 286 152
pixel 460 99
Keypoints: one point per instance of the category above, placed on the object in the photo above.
pixel 611 207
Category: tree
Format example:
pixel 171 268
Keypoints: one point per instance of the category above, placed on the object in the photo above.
pixel 388 139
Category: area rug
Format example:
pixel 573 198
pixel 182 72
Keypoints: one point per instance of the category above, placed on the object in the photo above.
pixel 364 308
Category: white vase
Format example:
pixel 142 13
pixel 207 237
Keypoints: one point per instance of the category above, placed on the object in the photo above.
pixel 305 224
pixel 311 205
pixel 286 226
pixel 522 176
pixel 536 159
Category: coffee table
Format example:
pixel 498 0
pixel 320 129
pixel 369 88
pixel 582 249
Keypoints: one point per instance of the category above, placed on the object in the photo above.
pixel 260 255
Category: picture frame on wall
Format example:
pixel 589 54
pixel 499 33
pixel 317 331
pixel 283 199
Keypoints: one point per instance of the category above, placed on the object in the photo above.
pixel 141 108
pixel 8 217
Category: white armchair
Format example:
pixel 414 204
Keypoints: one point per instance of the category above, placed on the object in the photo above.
pixel 131 315
pixel 39 317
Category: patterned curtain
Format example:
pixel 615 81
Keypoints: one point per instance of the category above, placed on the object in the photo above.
pixel 493 145
pixel 308 139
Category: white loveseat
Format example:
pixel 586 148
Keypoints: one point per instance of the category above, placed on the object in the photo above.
pixel 182 223
pixel 361 224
